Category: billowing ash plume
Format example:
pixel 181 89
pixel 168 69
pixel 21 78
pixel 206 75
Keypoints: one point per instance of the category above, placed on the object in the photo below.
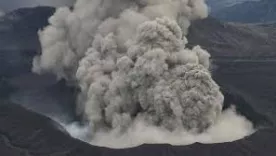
pixel 156 79
pixel 130 61
pixel 71 33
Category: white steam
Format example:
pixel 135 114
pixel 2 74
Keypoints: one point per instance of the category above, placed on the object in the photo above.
pixel 140 133
pixel 130 61
pixel 229 127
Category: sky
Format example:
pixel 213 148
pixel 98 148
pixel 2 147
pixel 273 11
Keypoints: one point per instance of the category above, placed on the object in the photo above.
pixel 9 5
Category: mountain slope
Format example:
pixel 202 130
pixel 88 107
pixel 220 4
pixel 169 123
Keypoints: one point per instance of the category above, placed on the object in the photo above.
pixel 263 11
pixel 216 5
pixel 234 40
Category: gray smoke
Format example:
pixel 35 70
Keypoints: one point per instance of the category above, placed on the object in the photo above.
pixel 2 13
pixel 157 79
pixel 130 61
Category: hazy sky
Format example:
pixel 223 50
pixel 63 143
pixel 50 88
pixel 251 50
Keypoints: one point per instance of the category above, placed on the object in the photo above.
pixel 8 5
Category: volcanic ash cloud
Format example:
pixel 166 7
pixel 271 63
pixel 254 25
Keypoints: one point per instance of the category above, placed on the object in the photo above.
pixel 130 62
